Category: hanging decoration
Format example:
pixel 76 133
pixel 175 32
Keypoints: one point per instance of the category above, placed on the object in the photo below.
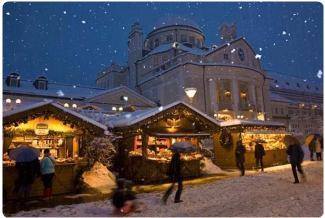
pixel 225 139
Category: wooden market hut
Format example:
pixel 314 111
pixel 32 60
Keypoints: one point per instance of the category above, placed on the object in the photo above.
pixel 148 134
pixel 271 133
pixel 48 125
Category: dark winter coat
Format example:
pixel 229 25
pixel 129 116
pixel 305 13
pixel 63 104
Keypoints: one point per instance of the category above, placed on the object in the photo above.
pixel 259 151
pixel 295 153
pixel 312 145
pixel 27 173
pixel 174 171
pixel 240 153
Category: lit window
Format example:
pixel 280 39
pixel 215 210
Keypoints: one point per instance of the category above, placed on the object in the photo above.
pixel 114 109
pixel 66 105
pixel 18 101
pixel 120 108
pixel 8 100
pixel 74 105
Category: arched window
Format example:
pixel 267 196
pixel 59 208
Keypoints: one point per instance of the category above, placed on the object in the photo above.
pixel 156 43
pixel 41 83
pixel 13 80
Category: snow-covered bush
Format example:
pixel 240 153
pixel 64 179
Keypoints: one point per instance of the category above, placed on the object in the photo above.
pixel 101 149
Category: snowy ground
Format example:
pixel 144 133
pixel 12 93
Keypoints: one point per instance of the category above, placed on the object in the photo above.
pixel 257 194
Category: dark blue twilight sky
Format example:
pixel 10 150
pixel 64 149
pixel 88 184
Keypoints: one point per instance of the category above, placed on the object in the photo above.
pixel 72 42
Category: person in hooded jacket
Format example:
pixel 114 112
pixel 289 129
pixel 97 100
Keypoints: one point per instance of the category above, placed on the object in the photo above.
pixel 240 157
pixel 296 156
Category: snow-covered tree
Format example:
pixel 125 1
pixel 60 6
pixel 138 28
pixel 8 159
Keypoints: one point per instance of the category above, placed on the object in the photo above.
pixel 101 149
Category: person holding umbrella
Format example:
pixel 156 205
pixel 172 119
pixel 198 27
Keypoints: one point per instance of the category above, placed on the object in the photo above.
pixel 259 154
pixel 175 170
pixel 240 157
pixel 296 156
pixel 28 167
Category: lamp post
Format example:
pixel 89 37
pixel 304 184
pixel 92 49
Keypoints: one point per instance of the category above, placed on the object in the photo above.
pixel 190 92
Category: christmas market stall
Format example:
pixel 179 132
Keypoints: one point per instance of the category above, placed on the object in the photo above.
pixel 269 133
pixel 48 125
pixel 148 134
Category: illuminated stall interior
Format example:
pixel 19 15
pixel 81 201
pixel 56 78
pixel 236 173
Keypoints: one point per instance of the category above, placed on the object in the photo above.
pixel 153 131
pixel 270 134
pixel 49 126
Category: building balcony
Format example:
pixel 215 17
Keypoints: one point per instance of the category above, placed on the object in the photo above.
pixel 225 105
pixel 246 106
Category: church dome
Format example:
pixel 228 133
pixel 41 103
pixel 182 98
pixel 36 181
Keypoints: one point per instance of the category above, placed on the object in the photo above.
pixel 175 29
pixel 175 21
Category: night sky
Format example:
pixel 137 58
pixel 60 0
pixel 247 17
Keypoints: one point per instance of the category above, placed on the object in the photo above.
pixel 72 42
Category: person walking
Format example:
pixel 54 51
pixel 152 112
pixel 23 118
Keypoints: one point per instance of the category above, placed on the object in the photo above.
pixel 318 149
pixel 47 171
pixel 175 175
pixel 259 154
pixel 296 156
pixel 312 148
pixel 240 157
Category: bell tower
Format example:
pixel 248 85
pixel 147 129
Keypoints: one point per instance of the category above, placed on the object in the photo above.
pixel 228 32
pixel 135 45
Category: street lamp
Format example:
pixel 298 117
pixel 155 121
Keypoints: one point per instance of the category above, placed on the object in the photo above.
pixel 190 92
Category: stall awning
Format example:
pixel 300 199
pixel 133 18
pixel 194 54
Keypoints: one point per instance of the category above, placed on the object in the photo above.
pixel 41 108
pixel 181 134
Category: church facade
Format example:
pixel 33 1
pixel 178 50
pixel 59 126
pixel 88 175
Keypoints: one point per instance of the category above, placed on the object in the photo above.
pixel 172 63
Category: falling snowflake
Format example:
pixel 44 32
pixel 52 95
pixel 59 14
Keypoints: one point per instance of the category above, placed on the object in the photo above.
pixel 83 21
pixel 305 21
pixel 260 49
pixel 284 32
pixel 319 74
pixel 46 69
pixel 60 93
pixel 8 13
pixel 228 44
pixel 233 50
pixel 74 86
pixel 240 7
pixel 258 56
pixel 123 28
pixel 64 12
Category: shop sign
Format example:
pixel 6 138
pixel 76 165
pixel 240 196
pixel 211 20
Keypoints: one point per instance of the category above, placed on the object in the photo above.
pixel 42 129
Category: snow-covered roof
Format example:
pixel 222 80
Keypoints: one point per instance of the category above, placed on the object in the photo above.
pixel 27 107
pixel 281 81
pixel 58 90
pixel 130 118
pixel 122 88
pixel 236 122
pixel 176 21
